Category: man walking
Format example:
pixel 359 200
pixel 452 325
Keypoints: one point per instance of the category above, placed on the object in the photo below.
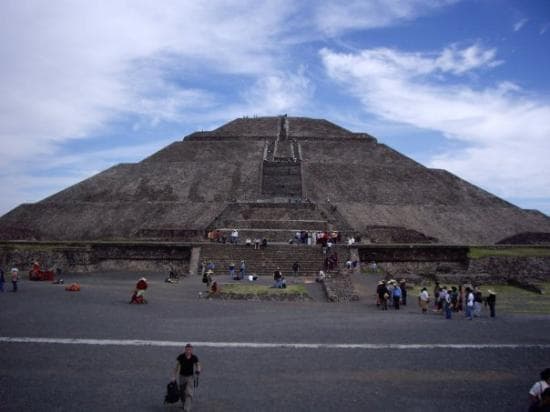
pixel 188 367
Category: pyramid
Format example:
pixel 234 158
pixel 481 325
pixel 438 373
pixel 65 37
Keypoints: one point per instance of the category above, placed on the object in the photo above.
pixel 270 177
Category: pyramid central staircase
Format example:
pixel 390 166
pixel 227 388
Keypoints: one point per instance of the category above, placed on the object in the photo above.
pixel 276 217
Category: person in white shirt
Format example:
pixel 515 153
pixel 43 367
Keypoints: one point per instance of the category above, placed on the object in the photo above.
pixel 423 300
pixel 535 393
pixel 469 303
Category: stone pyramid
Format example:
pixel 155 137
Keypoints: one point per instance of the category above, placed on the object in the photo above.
pixel 271 176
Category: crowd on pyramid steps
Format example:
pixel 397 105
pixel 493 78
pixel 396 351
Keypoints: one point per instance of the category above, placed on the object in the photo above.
pixel 303 237
pixel 446 300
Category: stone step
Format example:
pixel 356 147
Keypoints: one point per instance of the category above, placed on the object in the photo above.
pixel 272 235
pixel 264 261
pixel 288 224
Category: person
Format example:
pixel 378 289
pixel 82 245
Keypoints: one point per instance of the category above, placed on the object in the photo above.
pixel 320 276
pixel 454 299
pixel 403 286
pixel 423 300
pixel 295 268
pixel 390 286
pixel 437 300
pixel 256 243
pixel 469 303
pixel 491 301
pixel 242 270
pixel 478 300
pixel 139 292
pixel 187 369
pixel 348 264
pixel 460 305
pixel 544 404
pixel 2 280
pixel 207 278
pixel 232 270
pixel 535 393
pixel 378 293
pixel 235 236
pixel 264 243
pixel 277 277
pixel 447 303
pixel 14 279
pixel 383 295
pixel 396 295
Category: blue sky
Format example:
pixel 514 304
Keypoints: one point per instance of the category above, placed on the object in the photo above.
pixel 458 85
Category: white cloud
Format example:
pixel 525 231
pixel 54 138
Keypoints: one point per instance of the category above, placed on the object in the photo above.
pixel 333 17
pixel 519 25
pixel 278 93
pixel 505 130
pixel 70 67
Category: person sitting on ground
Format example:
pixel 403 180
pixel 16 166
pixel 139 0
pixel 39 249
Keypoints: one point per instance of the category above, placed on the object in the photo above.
pixel 139 292
pixel 277 277
pixel 264 242
pixel 207 278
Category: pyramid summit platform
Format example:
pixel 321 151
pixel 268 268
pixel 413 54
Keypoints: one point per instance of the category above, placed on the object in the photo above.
pixel 271 177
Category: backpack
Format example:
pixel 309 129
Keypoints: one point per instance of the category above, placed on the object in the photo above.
pixel 172 393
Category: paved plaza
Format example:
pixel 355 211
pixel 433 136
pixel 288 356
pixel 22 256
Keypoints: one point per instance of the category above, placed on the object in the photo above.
pixel 92 351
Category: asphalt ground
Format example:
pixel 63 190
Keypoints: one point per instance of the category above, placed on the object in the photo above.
pixel 425 373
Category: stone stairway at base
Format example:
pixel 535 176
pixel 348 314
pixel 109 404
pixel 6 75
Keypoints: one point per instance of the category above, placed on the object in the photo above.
pixel 264 261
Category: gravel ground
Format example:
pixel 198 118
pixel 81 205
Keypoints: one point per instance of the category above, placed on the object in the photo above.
pixel 67 377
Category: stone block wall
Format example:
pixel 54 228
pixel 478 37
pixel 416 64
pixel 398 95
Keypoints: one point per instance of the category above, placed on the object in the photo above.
pixel 95 256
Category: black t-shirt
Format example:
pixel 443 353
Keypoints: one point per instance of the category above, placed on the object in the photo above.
pixel 186 365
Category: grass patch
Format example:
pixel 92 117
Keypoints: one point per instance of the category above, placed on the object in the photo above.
pixel 481 252
pixel 510 299
pixel 297 290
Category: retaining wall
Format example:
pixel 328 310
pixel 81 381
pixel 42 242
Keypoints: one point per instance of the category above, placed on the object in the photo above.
pixel 96 256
